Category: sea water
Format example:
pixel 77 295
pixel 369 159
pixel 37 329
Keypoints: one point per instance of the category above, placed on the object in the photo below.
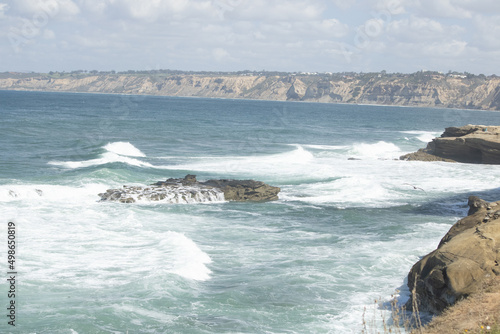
pixel 350 221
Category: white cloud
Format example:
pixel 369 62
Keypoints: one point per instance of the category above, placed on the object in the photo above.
pixel 442 8
pixel 253 34
pixel 487 36
pixel 393 7
pixel 48 34
pixel 488 7
pixel 331 27
pixel 418 29
pixel 449 49
pixel 220 54
pixel 3 8
pixel 48 9
pixel 279 10
pixel 344 4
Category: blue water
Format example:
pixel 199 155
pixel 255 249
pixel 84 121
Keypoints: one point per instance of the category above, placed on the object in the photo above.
pixel 343 233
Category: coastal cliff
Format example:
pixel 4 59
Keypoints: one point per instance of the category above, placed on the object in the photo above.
pixel 467 256
pixel 460 280
pixel 467 144
pixel 424 89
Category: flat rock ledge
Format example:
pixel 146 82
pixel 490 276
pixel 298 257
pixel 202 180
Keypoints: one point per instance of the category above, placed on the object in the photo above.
pixel 190 190
pixel 466 144
pixel 466 258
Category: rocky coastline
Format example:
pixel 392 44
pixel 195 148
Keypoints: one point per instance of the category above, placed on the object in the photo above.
pixel 190 190
pixel 467 259
pixel 421 89
pixel 467 256
pixel 466 144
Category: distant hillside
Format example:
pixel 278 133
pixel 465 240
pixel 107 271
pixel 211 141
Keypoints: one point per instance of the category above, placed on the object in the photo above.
pixel 423 89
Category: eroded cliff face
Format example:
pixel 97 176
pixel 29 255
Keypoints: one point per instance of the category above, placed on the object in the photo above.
pixel 467 257
pixel 468 144
pixel 436 91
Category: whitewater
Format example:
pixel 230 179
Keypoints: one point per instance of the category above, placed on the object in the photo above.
pixel 350 221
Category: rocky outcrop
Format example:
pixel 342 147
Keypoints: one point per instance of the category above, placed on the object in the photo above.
pixel 417 89
pixel 467 256
pixel 468 144
pixel 190 190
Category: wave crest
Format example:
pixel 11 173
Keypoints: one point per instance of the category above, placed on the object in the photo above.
pixel 116 152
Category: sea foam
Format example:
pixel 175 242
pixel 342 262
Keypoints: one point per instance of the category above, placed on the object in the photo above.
pixel 124 148
pixel 379 150
pixel 115 152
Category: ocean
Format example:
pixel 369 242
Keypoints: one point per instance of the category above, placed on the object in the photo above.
pixel 334 250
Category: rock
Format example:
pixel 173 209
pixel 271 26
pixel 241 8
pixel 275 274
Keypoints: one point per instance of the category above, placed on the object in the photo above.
pixel 190 190
pixel 467 255
pixel 467 144
pixel 247 190
pixel 475 203
pixel 422 155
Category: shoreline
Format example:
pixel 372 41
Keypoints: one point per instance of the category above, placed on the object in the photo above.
pixel 245 99
pixel 427 90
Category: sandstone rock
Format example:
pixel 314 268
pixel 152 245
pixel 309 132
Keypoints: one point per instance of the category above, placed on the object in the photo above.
pixel 407 90
pixel 467 255
pixel 468 144
pixel 190 190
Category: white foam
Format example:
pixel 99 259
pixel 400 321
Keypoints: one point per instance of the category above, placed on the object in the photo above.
pixel 295 162
pixel 97 246
pixel 106 158
pixel 178 194
pixel 348 191
pixel 379 150
pixel 424 136
pixel 46 193
pixel 115 152
pixel 124 148
pixel 188 260
pixel 328 147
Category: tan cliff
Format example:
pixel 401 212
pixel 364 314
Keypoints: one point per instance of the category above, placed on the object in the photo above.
pixel 468 144
pixel 476 92
pixel 460 280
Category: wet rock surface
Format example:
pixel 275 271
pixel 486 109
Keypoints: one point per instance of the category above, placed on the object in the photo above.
pixel 190 190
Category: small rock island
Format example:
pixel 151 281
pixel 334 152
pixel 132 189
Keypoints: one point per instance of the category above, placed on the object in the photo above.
pixel 190 190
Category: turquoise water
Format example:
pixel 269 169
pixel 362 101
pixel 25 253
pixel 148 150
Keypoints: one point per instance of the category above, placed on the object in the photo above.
pixel 343 233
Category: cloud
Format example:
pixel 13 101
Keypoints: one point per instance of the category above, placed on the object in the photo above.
pixel 394 7
pixel 487 36
pixel 220 54
pixel 60 9
pixel 3 8
pixel 441 8
pixel 344 4
pixel 279 10
pixel 290 35
pixel 48 34
pixel 418 29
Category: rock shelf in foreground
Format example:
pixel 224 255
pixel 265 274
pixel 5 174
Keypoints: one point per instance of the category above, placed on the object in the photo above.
pixel 190 190
pixel 466 258
pixel 468 144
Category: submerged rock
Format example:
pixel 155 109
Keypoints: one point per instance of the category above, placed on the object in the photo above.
pixel 468 144
pixel 190 190
pixel 467 256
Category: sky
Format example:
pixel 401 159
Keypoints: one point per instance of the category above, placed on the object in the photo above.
pixel 235 35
